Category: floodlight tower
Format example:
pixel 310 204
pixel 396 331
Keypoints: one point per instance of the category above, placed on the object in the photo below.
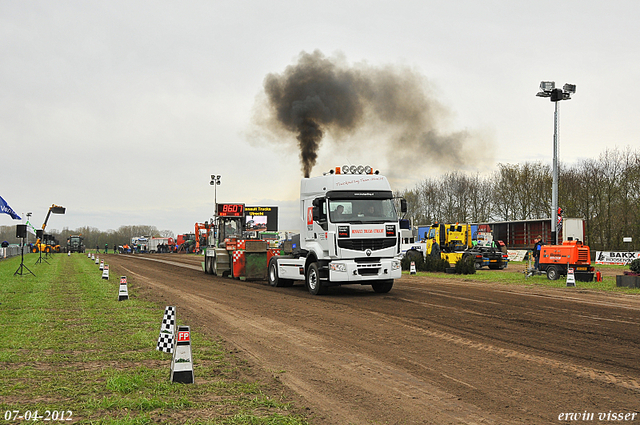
pixel 215 182
pixel 548 89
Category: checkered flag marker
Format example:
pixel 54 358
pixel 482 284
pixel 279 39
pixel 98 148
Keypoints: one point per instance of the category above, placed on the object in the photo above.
pixel 167 330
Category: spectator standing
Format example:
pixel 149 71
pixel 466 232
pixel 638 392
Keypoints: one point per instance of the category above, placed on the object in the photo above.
pixel 536 251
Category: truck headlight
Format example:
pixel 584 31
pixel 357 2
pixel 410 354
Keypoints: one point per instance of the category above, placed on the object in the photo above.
pixel 338 267
pixel 395 265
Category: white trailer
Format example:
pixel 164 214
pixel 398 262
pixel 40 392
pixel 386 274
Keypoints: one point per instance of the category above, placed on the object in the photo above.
pixel 349 234
pixel 573 229
pixel 154 243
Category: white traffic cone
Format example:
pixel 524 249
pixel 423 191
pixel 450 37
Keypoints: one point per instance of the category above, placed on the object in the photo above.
pixel 571 278
pixel 413 268
pixel 101 264
pixel 68 253
pixel 167 329
pixel 182 363
pixel 97 260
pixel 105 272
pixel 123 293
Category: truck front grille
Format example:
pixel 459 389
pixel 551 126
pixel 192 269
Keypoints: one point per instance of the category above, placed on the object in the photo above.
pixel 364 244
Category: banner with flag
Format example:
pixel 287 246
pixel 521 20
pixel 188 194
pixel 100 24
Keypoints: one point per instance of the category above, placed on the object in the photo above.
pixel 5 208
pixel 30 228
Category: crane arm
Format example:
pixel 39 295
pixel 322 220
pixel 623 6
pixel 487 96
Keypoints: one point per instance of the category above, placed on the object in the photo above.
pixel 56 209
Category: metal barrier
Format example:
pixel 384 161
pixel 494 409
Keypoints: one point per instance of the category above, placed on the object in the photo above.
pixel 12 251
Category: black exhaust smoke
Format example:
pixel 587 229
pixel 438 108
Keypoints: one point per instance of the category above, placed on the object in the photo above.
pixel 319 95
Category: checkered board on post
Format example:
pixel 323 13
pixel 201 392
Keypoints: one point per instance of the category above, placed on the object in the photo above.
pixel 167 330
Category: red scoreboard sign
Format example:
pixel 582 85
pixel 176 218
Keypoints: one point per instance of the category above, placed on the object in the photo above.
pixel 230 210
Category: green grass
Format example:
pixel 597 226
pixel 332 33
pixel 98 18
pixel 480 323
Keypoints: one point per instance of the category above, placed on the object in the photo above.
pixel 514 275
pixel 68 344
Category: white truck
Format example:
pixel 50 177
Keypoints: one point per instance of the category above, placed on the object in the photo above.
pixel 349 234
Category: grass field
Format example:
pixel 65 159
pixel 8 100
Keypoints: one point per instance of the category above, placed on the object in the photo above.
pixel 514 275
pixel 69 346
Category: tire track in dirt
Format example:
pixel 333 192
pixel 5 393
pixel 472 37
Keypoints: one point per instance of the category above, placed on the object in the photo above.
pixel 431 351
pixel 374 379
pixel 579 371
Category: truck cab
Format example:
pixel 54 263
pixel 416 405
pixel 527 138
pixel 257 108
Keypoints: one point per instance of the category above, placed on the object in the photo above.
pixel 349 234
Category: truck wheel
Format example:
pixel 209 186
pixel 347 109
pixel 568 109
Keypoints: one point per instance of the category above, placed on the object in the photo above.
pixel 273 278
pixel 214 266
pixel 552 273
pixel 272 274
pixel 382 287
pixel 313 280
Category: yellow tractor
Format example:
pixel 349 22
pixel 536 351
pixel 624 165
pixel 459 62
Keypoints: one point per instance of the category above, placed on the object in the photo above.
pixel 448 241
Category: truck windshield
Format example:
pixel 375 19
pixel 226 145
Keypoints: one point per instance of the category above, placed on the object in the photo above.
pixel 362 210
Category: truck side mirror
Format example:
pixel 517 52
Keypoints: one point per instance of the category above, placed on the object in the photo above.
pixel 403 205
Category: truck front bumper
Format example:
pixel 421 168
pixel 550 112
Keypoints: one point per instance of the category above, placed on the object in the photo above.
pixel 364 272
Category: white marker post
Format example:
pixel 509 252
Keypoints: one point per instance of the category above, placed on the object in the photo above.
pixel 182 364
pixel 571 278
pixel 123 293
pixel 413 268
pixel 105 272
pixel 101 264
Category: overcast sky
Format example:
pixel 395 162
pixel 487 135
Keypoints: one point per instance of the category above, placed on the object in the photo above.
pixel 121 110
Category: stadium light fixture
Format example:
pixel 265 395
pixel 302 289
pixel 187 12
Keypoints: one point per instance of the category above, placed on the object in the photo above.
pixel 215 182
pixel 547 89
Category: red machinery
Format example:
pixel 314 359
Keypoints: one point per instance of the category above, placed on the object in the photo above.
pixel 557 259
pixel 202 231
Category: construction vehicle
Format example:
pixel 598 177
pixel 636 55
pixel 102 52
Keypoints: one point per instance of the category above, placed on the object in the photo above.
pixel 201 235
pixel 53 245
pixel 75 243
pixel 556 260
pixel 349 234
pixel 230 252
pixel 453 242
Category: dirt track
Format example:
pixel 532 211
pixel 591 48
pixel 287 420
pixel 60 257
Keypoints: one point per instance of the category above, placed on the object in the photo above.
pixel 430 351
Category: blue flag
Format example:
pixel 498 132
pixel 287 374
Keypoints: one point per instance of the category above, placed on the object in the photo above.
pixel 5 208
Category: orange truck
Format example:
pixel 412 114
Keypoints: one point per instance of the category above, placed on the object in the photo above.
pixel 556 260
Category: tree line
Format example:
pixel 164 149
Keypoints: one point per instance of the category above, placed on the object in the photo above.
pixel 604 191
pixel 92 236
